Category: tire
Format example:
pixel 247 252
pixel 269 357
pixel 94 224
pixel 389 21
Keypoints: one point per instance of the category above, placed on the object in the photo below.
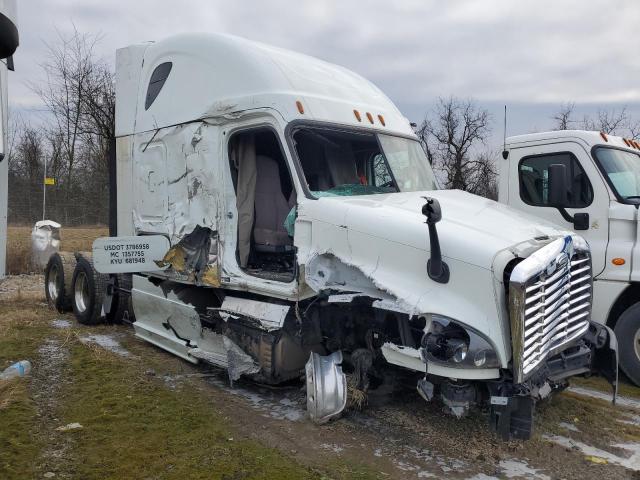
pixel 120 306
pixel 88 288
pixel 628 334
pixel 58 276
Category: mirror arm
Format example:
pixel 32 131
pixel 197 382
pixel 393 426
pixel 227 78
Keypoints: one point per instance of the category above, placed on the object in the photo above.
pixel 565 214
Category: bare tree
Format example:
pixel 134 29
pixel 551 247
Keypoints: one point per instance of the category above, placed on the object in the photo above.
pixel 607 121
pixel 451 135
pixel 563 116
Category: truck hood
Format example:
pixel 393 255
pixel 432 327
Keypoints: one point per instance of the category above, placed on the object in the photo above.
pixel 473 229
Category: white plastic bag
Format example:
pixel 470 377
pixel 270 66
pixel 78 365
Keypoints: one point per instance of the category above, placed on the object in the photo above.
pixel 45 241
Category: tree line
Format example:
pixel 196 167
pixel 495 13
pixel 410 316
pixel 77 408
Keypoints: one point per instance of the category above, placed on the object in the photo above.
pixel 78 127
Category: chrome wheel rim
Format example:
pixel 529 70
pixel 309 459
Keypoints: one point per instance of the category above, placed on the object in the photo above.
pixel 636 343
pixel 52 284
pixel 81 292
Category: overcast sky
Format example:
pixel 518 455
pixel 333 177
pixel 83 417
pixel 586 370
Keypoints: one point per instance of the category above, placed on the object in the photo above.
pixel 532 55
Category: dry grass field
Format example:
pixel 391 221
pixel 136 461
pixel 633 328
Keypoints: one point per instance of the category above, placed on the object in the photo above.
pixel 73 239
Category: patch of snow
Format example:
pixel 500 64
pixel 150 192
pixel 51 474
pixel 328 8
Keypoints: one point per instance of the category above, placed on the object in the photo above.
pixel 107 342
pixel 620 401
pixel 520 469
pixel 70 426
pixel 332 447
pixel 631 420
pixel 61 323
pixel 264 400
pixel 569 426
pixel 482 476
pixel 632 462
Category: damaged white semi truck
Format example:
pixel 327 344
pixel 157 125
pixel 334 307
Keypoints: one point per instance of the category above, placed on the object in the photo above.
pixel 277 217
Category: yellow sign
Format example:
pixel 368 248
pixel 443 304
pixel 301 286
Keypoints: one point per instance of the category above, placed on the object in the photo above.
pixel 49 181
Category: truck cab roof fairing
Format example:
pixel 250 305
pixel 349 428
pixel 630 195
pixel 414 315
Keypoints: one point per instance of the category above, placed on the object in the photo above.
pixel 9 38
pixel 215 74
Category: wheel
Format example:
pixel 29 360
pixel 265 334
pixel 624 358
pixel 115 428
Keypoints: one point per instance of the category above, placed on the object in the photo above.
pixel 628 334
pixel 88 287
pixel 120 306
pixel 58 275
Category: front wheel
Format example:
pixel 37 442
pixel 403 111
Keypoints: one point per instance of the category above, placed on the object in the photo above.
pixel 88 290
pixel 628 334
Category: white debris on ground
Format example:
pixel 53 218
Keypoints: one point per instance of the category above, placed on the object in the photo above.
pixel 107 342
pixel 568 426
pixel 70 426
pixel 632 462
pixel 332 447
pixel 61 323
pixel 520 469
pixel 620 401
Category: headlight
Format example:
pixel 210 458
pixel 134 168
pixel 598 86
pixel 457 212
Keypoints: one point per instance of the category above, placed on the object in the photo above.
pixel 452 344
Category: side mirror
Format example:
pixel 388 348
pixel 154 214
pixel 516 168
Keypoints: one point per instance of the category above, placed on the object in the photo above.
pixel 558 191
pixel 558 186
pixel 432 210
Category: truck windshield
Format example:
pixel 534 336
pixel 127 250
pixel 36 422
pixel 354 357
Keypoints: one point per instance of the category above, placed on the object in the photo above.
pixel 623 170
pixel 343 162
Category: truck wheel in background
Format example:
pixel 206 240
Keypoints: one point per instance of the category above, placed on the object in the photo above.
pixel 628 334
pixel 58 275
pixel 121 304
pixel 88 289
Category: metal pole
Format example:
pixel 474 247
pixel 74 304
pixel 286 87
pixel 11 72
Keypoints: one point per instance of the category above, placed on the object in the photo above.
pixel 44 188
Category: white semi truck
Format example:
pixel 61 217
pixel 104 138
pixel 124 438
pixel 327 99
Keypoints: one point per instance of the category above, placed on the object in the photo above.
pixel 8 44
pixel 589 182
pixel 277 217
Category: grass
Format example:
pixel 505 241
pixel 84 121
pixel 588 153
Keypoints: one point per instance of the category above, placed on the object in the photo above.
pixel 133 424
pixel 21 333
pixel 19 244
pixel 137 428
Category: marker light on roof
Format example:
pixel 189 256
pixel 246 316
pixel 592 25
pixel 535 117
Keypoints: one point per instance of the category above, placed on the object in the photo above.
pixel 370 117
pixel 300 107
pixel 357 114
pixel 604 136
pixel 381 118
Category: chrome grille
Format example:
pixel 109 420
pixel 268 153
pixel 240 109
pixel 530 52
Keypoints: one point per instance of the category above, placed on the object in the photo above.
pixel 550 302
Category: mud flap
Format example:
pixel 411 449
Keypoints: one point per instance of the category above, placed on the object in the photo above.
pixel 326 386
pixel 605 357
pixel 512 417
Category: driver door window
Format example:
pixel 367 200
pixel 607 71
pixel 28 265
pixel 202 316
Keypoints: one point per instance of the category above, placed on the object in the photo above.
pixel 533 173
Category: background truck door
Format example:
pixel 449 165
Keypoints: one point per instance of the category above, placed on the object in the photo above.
pixel 528 190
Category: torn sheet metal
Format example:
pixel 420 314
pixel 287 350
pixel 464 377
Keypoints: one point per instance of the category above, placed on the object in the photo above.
pixel 270 315
pixel 326 386
pixel 328 272
pixel 238 362
pixel 191 257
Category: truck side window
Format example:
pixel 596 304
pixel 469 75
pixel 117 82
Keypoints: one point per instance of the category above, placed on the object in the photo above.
pixel 533 173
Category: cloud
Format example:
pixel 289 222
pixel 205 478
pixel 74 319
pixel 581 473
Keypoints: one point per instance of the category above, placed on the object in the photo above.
pixel 495 50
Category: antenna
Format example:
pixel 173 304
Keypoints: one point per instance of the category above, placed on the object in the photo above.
pixel 505 154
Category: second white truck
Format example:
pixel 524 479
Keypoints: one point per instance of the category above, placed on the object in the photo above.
pixel 588 182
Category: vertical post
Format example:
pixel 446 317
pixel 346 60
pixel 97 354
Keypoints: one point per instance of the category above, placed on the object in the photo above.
pixel 44 188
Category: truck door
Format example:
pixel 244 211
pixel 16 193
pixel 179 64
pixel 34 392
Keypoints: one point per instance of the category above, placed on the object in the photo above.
pixel 528 190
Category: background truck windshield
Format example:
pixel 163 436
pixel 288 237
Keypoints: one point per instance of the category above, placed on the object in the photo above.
pixel 343 162
pixel 623 170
